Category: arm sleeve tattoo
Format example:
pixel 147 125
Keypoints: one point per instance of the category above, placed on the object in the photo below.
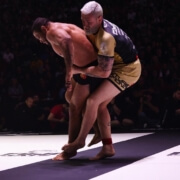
pixel 105 62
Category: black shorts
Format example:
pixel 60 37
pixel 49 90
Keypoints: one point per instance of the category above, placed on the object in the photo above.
pixel 83 79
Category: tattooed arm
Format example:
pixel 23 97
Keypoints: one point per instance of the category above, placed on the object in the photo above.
pixel 102 70
pixel 105 59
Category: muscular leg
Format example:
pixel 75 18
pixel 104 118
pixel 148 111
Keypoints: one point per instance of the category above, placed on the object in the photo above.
pixel 76 105
pixel 102 116
pixel 76 99
pixel 97 136
pixel 104 124
pixel 102 94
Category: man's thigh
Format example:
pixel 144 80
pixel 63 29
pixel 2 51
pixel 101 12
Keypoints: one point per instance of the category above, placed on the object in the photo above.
pixel 104 92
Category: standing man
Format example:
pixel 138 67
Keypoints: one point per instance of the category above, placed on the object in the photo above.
pixel 118 62
pixel 71 43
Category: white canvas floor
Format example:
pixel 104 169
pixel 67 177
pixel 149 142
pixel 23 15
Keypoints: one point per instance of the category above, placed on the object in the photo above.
pixel 19 150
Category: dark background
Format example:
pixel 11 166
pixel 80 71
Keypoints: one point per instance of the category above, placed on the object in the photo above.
pixel 151 24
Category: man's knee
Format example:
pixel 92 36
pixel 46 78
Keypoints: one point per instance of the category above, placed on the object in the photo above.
pixel 75 107
pixel 68 96
pixel 72 106
pixel 91 102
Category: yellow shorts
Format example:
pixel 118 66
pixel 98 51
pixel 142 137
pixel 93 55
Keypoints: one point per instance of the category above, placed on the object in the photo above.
pixel 125 75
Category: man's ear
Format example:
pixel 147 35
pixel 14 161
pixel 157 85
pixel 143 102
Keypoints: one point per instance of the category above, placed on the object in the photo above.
pixel 43 29
pixel 100 18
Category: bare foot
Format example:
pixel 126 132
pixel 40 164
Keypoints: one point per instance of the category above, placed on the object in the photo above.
pixel 96 139
pixel 106 151
pixel 72 147
pixel 64 156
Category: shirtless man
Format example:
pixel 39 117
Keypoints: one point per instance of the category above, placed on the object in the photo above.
pixel 71 43
pixel 118 62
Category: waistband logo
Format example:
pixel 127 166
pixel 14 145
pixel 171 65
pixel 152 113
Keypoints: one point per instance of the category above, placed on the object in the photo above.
pixel 117 79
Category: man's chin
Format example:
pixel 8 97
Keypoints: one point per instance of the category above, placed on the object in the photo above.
pixel 88 33
pixel 91 32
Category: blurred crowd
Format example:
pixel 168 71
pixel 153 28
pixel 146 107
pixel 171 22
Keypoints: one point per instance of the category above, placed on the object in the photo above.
pixel 32 75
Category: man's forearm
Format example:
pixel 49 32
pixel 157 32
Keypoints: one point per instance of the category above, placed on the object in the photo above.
pixel 93 71
pixel 96 71
pixel 68 57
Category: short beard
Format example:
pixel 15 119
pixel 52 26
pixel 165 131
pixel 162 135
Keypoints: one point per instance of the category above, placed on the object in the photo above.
pixel 93 31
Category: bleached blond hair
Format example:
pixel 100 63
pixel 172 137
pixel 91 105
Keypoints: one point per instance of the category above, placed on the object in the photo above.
pixel 92 7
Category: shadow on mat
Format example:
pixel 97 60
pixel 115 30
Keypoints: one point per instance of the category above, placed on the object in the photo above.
pixel 84 161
